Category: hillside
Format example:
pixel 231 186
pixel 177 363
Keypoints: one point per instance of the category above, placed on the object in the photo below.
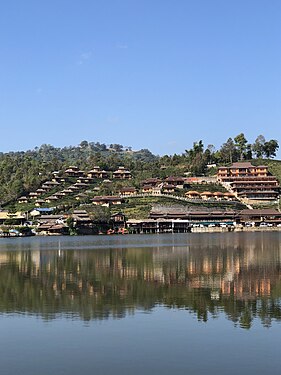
pixel 22 173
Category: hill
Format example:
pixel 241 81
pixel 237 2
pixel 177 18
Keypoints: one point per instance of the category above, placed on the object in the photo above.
pixel 25 172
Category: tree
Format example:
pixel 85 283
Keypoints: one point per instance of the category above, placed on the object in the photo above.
pixel 84 144
pixel 210 154
pixel 270 148
pixel 241 144
pixel 258 146
pixel 248 153
pixel 228 151
pixel 196 158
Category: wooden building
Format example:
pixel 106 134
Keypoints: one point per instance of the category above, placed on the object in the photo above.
pixel 250 182
pixel 122 174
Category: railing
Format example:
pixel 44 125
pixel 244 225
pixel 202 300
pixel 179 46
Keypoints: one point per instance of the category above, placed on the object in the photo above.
pixel 176 197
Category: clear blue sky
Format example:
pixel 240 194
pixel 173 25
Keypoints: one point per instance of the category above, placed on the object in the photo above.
pixel 157 74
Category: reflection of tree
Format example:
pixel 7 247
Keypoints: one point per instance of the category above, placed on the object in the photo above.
pixel 112 282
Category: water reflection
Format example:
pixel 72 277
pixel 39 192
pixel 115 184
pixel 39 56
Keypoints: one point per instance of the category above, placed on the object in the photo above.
pixel 235 274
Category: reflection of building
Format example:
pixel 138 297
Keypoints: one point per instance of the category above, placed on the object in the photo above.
pixel 206 274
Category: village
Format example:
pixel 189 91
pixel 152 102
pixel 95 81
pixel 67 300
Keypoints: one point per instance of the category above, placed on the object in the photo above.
pixel 239 197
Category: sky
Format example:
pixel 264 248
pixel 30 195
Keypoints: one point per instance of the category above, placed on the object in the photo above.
pixel 156 74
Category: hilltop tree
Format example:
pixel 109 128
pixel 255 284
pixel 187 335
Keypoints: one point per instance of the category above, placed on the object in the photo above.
pixel 196 159
pixel 258 146
pixel 270 148
pixel 228 152
pixel 241 144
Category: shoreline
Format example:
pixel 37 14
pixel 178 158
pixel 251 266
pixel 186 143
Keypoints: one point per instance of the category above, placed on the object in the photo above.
pixel 192 230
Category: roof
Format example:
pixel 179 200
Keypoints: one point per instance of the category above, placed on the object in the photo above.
pixel 261 212
pixel 130 189
pixel 117 214
pixel 243 164
pixel 44 209
pixel 149 180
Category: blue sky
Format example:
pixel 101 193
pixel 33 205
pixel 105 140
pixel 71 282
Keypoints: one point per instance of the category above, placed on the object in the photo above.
pixel 157 74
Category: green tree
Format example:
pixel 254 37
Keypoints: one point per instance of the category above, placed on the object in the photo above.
pixel 228 152
pixel 258 146
pixel 241 144
pixel 270 148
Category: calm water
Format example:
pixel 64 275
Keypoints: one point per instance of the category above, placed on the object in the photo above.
pixel 163 304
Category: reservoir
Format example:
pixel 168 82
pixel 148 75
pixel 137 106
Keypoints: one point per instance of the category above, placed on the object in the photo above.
pixel 190 303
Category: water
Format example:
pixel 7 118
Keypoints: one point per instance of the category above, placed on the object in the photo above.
pixel 156 304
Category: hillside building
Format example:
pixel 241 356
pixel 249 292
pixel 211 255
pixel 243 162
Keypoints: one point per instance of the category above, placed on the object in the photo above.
pixel 253 183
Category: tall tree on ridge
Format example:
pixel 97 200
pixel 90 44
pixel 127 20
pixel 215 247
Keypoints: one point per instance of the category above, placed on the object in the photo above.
pixel 241 144
pixel 258 146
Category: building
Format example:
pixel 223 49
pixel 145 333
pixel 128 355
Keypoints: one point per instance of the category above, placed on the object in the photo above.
pixel 72 171
pixel 151 182
pixel 107 200
pixel 250 182
pixel 168 188
pixel 122 174
pixel 96 172
pixel 128 191
pixel 241 169
pixel 270 216
pixel 176 181
pixel 17 218
pixel 23 200
pixel 192 194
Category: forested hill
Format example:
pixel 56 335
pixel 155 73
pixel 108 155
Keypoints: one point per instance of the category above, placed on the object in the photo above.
pixel 24 171
pixel 21 172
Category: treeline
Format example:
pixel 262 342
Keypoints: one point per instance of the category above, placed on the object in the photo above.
pixel 231 151
pixel 22 172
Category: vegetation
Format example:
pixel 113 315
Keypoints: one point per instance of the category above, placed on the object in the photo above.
pixel 23 172
pixel 113 282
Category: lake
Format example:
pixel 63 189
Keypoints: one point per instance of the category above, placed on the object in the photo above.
pixel 141 304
